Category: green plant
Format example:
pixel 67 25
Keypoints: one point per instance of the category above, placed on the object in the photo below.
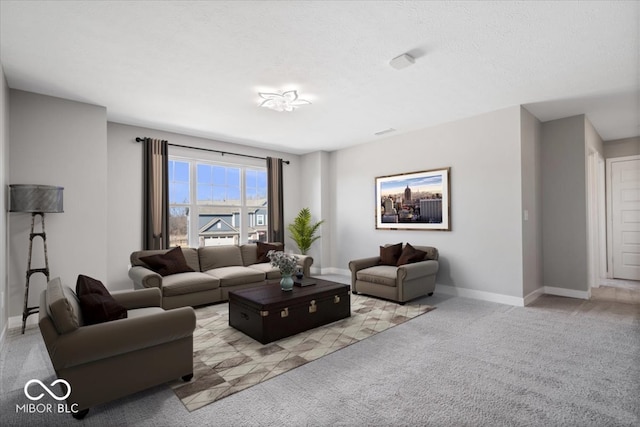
pixel 302 231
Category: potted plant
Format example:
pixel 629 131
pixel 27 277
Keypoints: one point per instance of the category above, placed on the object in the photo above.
pixel 303 231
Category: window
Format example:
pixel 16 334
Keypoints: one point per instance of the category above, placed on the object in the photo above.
pixel 216 204
pixel 179 196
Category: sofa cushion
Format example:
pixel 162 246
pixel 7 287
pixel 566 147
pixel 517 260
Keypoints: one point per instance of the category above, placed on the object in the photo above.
pixel 219 256
pixel 63 307
pixel 171 262
pixel 410 255
pixel 96 303
pixel 190 256
pixel 236 275
pixel 186 283
pixel 379 274
pixel 389 254
pixel 268 269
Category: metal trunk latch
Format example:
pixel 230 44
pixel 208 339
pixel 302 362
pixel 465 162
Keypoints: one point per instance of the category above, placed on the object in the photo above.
pixel 313 307
pixel 336 299
pixel 285 312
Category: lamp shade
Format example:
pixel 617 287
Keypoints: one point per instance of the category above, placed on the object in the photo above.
pixel 35 198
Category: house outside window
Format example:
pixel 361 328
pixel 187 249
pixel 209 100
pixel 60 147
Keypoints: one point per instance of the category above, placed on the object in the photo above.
pixel 214 203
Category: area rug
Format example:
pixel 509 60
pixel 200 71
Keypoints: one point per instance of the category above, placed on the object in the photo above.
pixel 227 361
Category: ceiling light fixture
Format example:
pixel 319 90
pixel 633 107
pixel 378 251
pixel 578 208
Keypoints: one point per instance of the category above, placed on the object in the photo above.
pixel 285 101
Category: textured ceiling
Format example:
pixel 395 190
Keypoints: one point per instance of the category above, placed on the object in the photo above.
pixel 196 67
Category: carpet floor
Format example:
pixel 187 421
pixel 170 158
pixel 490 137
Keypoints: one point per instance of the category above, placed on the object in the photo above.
pixel 558 362
pixel 227 361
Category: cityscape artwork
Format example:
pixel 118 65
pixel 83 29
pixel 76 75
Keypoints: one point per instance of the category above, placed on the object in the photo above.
pixel 414 201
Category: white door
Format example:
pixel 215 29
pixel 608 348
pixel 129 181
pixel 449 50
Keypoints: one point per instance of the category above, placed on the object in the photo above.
pixel 625 217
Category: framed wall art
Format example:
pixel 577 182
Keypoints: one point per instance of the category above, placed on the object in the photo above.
pixel 414 201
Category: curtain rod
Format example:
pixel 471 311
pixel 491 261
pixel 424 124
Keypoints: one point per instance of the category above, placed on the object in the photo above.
pixel 138 139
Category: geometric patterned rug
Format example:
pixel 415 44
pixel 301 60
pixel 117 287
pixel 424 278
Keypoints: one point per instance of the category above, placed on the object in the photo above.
pixel 227 361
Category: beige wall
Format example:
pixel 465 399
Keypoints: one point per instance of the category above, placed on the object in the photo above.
pixel 315 194
pixel 622 147
pixel 531 146
pixel 55 141
pixel 483 251
pixel 564 204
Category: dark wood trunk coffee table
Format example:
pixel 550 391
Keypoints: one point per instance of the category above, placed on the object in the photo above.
pixel 266 313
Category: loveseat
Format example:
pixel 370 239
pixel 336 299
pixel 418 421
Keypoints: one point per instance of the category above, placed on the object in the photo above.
pixel 146 346
pixel 215 271
pixel 399 273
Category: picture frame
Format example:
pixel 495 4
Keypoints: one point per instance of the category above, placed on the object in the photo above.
pixel 414 200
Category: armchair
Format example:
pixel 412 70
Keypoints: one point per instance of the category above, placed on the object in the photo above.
pixel 397 283
pixel 106 361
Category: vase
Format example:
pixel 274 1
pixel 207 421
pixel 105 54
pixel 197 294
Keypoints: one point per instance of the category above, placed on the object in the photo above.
pixel 286 283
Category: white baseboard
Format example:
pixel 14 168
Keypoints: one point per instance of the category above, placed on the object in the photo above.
pixel 16 321
pixel 334 270
pixel 480 295
pixel 515 301
pixel 562 292
pixel 533 296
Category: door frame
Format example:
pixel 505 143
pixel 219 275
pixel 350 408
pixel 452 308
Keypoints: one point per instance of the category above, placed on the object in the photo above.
pixel 609 210
pixel 596 213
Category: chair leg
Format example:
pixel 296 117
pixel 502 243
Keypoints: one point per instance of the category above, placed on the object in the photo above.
pixel 187 378
pixel 80 414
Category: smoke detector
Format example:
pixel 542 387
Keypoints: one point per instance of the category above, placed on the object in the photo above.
pixel 402 61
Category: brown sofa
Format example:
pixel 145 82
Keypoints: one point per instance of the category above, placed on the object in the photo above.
pixel 217 270
pixel 106 361
pixel 396 283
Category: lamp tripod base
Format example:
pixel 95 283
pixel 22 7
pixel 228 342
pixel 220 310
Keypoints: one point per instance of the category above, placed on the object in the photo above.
pixel 28 311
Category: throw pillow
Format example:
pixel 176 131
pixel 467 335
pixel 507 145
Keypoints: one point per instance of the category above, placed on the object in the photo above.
pixel 410 255
pixel 389 254
pixel 96 303
pixel 171 262
pixel 264 248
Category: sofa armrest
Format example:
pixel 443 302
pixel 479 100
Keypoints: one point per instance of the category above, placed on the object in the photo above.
pixel 417 269
pixel 359 264
pixel 103 340
pixel 140 298
pixel 144 278
pixel 305 261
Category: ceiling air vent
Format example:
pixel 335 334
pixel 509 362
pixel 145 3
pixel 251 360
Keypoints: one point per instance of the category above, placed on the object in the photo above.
pixel 382 132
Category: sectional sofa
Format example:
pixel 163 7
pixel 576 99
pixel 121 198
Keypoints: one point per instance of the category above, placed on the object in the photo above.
pixel 216 271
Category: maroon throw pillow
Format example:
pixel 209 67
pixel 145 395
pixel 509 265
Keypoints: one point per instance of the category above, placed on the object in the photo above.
pixel 389 254
pixel 96 303
pixel 171 262
pixel 264 248
pixel 89 285
pixel 410 255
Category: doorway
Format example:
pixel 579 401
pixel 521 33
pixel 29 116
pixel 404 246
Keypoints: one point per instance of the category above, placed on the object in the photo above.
pixel 623 202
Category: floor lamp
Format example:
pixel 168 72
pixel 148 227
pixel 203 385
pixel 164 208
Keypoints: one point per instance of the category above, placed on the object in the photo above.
pixel 37 200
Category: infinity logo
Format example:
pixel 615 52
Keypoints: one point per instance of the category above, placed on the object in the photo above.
pixel 45 388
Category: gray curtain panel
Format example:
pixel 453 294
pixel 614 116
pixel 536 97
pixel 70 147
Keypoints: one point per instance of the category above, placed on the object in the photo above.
pixel 275 214
pixel 156 194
